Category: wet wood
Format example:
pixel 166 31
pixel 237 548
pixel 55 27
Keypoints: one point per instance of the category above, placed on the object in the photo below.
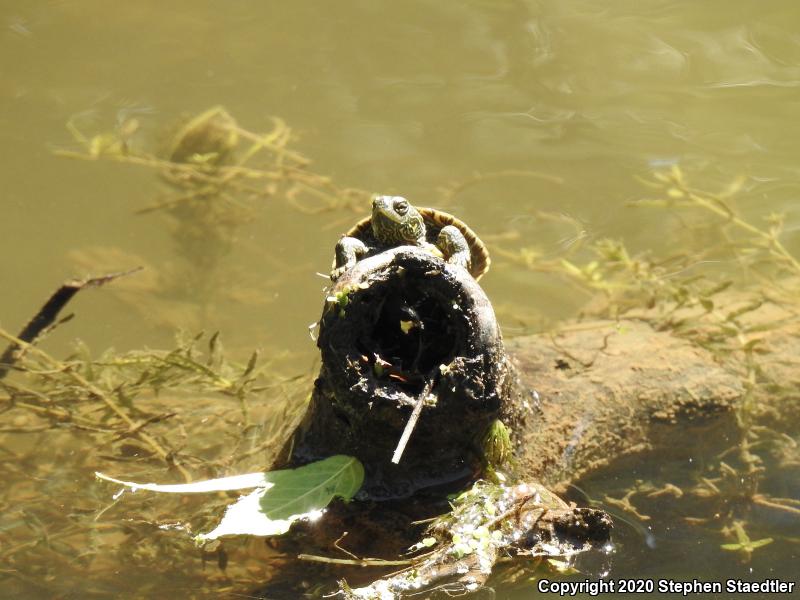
pixel 395 327
pixel 584 399
pixel 605 392
pixel 46 316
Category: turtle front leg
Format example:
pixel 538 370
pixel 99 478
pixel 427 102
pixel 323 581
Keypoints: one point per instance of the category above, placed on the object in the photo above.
pixel 454 246
pixel 348 251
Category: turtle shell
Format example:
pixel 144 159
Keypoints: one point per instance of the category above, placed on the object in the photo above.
pixel 435 220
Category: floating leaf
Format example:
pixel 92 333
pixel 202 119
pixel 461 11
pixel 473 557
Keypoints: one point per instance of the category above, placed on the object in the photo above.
pixel 311 487
pixel 290 495
pixel 280 497
pixel 235 482
pixel 244 517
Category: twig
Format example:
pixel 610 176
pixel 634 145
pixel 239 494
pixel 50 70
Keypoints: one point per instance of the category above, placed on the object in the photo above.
pixel 366 562
pixel 138 428
pixel 268 141
pixel 219 174
pixel 763 501
pixel 516 508
pixel 49 312
pixel 338 547
pixel 412 422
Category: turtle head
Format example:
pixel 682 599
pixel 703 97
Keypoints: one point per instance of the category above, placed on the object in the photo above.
pixel 396 221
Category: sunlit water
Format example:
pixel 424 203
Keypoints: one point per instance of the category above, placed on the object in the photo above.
pixel 560 103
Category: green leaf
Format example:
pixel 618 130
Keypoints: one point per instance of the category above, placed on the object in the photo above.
pixel 251 365
pixel 289 496
pixel 279 499
pixel 311 487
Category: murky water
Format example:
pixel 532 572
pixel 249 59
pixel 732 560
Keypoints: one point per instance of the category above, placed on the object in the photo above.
pixel 557 105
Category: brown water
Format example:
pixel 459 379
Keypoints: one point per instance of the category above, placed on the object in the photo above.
pixel 559 103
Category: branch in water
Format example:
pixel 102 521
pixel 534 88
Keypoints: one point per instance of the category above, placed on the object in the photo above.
pixel 48 313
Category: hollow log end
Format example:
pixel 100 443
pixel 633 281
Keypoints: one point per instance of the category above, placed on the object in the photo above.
pixel 399 328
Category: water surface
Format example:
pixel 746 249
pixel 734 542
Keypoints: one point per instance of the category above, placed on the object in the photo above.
pixel 557 105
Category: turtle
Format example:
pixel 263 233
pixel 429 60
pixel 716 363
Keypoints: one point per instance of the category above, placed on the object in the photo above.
pixel 395 222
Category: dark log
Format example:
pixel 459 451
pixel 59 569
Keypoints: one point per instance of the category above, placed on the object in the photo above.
pixel 401 325
pixel 607 392
pixel 595 394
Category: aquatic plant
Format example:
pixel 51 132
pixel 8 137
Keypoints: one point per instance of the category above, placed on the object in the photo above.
pixel 721 314
pixel 217 177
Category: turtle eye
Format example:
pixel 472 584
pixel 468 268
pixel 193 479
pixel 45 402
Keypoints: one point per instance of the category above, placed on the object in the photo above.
pixel 401 207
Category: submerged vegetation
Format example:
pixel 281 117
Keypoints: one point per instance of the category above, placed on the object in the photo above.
pixel 216 178
pixel 187 413
pixel 192 412
pixel 735 324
